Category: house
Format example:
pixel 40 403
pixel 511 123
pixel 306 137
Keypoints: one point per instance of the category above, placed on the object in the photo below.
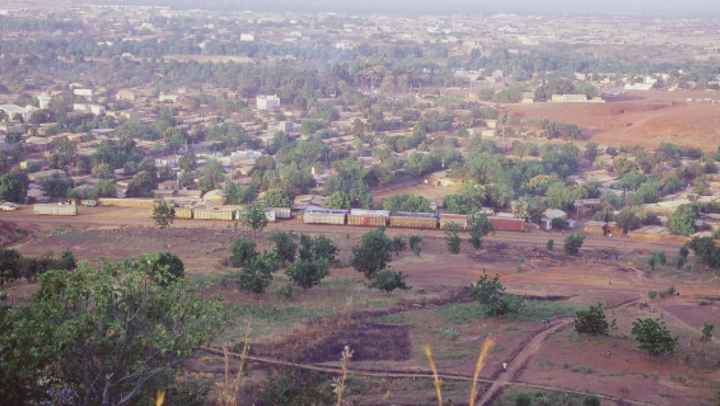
pixel 83 92
pixel 44 101
pixel 12 110
pixel 552 215
pixel 267 102
pixel 168 98
pixel 125 95
pixel 95 109
pixel 247 37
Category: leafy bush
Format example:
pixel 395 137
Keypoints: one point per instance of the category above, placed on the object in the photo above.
pixel 573 243
pixel 480 226
pixel 592 321
pixel 307 274
pixel 257 275
pixel 452 235
pixel 319 248
pixel 163 267
pixel 398 245
pixel 491 292
pixel 373 254
pixel 683 219
pixel 388 281
pixel 550 245
pixel 285 246
pixel 654 337
pixel 416 244
pixel 243 251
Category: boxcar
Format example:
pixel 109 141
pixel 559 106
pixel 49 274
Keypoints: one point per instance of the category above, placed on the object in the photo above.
pixel 282 213
pixel 55 209
pixel 505 223
pixel 459 219
pixel 424 221
pixel 221 214
pixel 324 216
pixel 368 218
pixel 184 213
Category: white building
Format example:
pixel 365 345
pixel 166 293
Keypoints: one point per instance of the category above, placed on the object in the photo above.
pixel 95 109
pixel 168 98
pixel 83 92
pixel 268 102
pixel 44 101
pixel 247 37
pixel 11 110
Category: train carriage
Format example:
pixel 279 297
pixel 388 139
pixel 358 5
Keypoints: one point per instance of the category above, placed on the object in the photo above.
pixel 324 216
pixel 420 221
pixel 368 218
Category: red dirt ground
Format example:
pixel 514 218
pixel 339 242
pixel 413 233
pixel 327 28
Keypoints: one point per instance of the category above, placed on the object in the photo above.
pixel 648 120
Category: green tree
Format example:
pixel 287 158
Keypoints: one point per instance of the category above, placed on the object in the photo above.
pixel 10 265
pixel 592 321
pixel 398 245
pixel 373 254
pixel 142 184
pixel 257 275
pixel 491 293
pixel 242 252
pixel 707 332
pixel 237 194
pixel 64 153
pixel 480 227
pixel 106 336
pixel 573 243
pixel 683 219
pixel 276 198
pixel 388 281
pixel 654 337
pixel 163 267
pixel 105 188
pixel 163 214
pixel 285 246
pixel 409 203
pixel 339 200
pixel 255 218
pixel 452 235
pixel 14 187
pixel 307 274
pixel 706 250
pixel 550 245
pixel 57 186
pixel 211 176
pixel 319 248
pixel 628 219
pixel 416 244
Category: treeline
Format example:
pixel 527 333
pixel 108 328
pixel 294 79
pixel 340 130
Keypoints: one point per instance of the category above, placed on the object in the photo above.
pixel 14 266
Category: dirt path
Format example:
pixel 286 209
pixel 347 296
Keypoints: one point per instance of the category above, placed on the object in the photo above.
pixel 415 374
pixel 518 363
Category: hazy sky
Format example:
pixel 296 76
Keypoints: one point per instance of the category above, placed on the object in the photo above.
pixel 635 7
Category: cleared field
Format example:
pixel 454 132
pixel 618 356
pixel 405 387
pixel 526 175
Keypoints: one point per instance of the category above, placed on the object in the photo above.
pixel 388 332
pixel 646 119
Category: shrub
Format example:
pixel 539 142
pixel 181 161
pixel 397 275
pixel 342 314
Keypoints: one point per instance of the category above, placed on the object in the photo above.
pixel 452 234
pixel 416 244
pixel 573 243
pixel 550 245
pixel 654 337
pixel 389 281
pixel 319 248
pixel 243 251
pixel 285 246
pixel 523 399
pixel 163 267
pixel 398 245
pixel 307 274
pixel 491 293
pixel 373 254
pixel 163 214
pixel 480 226
pixel 256 276
pixel 591 321
pixel 683 219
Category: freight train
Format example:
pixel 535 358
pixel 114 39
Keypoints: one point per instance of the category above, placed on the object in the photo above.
pixel 357 217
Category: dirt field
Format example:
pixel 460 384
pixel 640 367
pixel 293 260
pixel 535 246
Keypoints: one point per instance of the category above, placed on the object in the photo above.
pixel 388 332
pixel 648 119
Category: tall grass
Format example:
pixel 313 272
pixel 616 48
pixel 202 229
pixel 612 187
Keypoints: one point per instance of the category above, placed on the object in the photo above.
pixel 485 349
pixel 230 387
pixel 342 379
pixel 487 345
pixel 436 378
